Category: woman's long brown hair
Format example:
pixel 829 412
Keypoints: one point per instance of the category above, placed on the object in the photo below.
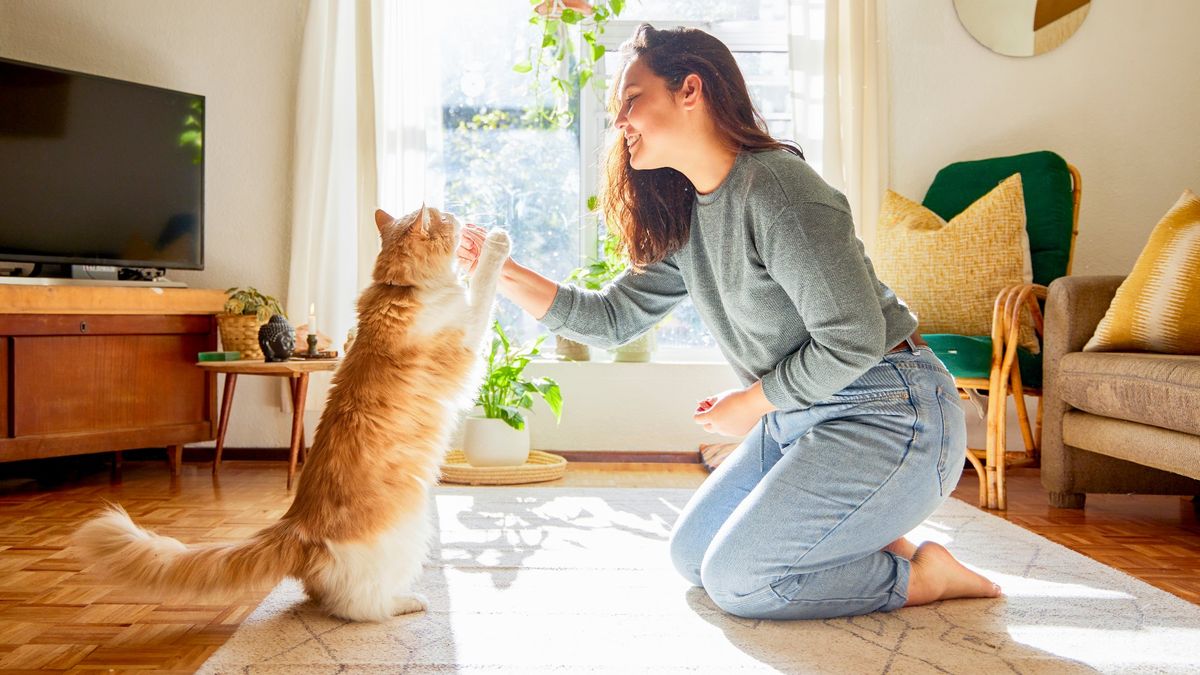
pixel 651 210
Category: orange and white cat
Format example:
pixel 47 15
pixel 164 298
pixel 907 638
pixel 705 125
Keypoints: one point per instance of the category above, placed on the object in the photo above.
pixel 358 530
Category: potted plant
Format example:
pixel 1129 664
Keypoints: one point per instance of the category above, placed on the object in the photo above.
pixel 563 60
pixel 593 276
pixel 499 437
pixel 245 310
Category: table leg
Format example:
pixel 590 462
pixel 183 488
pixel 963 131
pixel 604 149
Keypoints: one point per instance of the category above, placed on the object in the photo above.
pixel 175 458
pixel 223 424
pixel 303 441
pixel 301 392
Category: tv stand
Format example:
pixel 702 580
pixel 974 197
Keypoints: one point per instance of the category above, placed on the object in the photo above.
pixel 161 282
pixel 87 369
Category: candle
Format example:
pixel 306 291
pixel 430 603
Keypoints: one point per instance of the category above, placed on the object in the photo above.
pixel 312 319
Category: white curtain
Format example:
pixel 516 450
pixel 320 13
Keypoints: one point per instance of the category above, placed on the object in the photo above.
pixel 856 143
pixel 806 62
pixel 367 106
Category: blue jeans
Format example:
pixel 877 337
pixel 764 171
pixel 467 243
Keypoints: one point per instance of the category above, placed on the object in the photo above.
pixel 791 525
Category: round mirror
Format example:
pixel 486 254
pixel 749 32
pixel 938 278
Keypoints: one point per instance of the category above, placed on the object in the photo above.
pixel 1021 27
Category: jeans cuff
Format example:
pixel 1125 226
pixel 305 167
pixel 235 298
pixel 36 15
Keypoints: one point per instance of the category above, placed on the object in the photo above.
pixel 899 594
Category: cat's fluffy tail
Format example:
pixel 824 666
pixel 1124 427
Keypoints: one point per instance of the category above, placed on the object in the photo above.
pixel 133 555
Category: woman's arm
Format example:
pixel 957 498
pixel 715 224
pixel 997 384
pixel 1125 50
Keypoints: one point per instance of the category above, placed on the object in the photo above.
pixel 531 291
pixel 620 312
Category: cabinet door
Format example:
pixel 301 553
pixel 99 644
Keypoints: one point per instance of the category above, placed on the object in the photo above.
pixel 96 383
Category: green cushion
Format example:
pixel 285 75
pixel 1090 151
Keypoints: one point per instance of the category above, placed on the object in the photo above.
pixel 1049 202
pixel 971 356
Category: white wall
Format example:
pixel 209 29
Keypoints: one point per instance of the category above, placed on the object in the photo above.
pixel 244 58
pixel 1118 100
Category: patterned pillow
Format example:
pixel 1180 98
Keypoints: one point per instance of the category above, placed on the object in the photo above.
pixel 949 273
pixel 1157 307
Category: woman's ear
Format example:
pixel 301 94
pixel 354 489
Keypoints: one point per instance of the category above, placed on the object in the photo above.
pixel 691 91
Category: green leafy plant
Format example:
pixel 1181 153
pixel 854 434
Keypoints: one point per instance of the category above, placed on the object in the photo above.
pixel 597 272
pixel 564 60
pixel 506 392
pixel 250 301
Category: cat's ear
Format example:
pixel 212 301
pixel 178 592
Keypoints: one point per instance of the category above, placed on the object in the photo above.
pixel 383 219
pixel 423 222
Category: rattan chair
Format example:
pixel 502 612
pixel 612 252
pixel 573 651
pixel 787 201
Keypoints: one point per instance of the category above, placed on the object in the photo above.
pixel 994 365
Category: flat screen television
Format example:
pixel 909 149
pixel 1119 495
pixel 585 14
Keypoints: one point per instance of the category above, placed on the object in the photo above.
pixel 99 171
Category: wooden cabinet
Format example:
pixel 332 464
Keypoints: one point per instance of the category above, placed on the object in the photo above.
pixel 99 369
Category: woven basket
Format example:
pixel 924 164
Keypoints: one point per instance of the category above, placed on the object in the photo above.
pixel 541 466
pixel 239 332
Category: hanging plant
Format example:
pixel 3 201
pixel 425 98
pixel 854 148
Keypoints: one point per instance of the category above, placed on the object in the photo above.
pixel 563 61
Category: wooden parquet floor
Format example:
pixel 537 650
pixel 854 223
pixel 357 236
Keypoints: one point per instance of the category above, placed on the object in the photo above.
pixel 57 615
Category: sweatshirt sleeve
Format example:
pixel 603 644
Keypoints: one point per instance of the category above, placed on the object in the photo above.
pixel 811 251
pixel 624 309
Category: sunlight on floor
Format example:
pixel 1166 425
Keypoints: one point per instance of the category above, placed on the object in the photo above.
pixel 1151 648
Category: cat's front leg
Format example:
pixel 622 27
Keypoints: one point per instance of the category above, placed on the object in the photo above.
pixel 483 285
pixel 408 603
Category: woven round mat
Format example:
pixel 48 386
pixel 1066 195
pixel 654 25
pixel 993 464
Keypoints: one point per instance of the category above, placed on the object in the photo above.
pixel 541 466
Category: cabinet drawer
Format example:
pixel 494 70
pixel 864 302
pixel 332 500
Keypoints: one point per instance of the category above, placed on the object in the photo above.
pixel 95 383
pixel 104 324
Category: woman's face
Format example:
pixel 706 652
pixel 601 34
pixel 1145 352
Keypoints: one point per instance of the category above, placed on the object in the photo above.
pixel 650 119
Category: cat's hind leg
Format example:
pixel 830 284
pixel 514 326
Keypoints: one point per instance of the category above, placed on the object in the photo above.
pixel 372 580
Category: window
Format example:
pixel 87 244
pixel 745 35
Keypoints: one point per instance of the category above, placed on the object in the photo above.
pixel 506 168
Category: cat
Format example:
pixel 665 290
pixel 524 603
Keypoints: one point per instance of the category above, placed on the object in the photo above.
pixel 358 530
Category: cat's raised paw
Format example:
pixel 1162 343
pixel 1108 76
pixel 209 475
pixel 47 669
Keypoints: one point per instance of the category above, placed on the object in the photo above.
pixel 498 241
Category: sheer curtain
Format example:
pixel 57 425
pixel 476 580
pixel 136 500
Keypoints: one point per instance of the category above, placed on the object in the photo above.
pixel 368 112
pixel 855 124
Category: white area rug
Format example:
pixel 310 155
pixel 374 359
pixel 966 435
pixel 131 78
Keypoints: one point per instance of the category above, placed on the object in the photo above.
pixel 538 580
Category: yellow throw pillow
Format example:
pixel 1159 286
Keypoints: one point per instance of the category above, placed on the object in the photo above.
pixel 1157 307
pixel 949 273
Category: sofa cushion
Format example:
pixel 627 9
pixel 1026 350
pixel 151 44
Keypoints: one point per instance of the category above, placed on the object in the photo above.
pixel 1146 445
pixel 949 273
pixel 1157 389
pixel 1155 307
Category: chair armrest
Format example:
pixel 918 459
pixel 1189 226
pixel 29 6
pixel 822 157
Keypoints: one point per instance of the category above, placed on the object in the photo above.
pixel 1074 308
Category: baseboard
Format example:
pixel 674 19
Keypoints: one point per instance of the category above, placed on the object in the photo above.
pixel 650 456
pixel 617 456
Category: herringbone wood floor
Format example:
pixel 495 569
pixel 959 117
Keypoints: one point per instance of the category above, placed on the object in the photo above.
pixel 57 615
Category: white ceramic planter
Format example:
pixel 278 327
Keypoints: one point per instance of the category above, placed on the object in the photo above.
pixel 637 351
pixel 488 442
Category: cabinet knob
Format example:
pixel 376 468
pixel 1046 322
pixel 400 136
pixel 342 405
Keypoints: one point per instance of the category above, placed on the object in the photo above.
pixel 83 327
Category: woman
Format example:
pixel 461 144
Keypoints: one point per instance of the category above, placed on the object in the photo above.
pixel 854 431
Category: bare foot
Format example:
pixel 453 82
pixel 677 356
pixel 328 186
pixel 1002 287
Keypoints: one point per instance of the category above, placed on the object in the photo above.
pixel 936 575
pixel 902 547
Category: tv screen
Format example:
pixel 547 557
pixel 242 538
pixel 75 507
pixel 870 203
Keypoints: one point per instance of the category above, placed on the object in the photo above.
pixel 99 171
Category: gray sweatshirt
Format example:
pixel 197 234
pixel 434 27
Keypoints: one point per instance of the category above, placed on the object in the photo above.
pixel 776 273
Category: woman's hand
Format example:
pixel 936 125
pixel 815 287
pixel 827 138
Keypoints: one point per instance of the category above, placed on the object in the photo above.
pixel 733 412
pixel 470 246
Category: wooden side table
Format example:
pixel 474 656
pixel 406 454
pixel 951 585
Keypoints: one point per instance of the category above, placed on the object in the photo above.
pixel 297 370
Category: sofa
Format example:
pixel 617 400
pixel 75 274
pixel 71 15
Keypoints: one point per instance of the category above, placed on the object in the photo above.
pixel 1114 422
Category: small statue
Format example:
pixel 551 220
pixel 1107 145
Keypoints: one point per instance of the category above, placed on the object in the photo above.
pixel 277 339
